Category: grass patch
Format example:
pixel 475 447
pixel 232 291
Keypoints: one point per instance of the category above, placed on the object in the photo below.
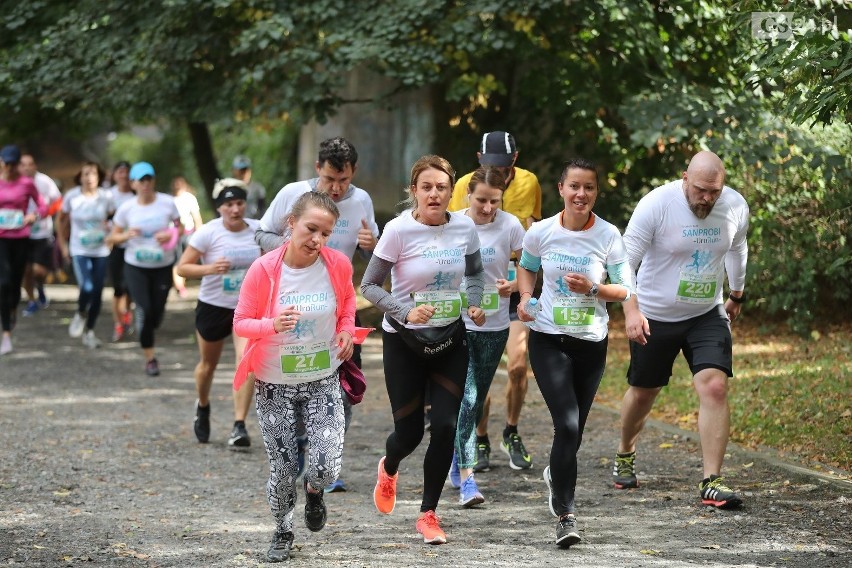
pixel 788 393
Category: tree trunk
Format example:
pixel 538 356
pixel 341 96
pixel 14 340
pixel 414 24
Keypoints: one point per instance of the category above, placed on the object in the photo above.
pixel 205 159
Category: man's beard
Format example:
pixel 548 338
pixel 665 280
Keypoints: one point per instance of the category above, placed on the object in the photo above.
pixel 701 211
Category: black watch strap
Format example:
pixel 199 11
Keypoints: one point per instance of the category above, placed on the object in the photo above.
pixel 736 300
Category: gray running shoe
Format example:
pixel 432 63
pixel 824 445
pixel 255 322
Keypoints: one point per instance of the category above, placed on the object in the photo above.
pixel 514 448
pixel 624 471
pixel 279 550
pixel 717 494
pixel 566 531
pixel 483 457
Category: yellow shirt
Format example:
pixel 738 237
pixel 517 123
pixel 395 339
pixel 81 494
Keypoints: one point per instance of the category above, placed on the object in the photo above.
pixel 522 198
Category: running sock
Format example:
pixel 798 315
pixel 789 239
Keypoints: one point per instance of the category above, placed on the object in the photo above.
pixel 482 439
pixel 510 430
pixel 238 422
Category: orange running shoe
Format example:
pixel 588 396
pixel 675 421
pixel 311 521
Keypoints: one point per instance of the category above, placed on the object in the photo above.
pixel 428 526
pixel 384 495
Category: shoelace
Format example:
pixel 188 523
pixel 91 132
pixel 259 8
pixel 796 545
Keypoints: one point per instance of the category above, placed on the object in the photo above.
pixel 468 484
pixel 568 522
pixel 717 485
pixel 516 444
pixel 623 465
pixel 387 486
pixel 430 519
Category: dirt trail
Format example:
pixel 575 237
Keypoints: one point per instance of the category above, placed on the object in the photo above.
pixel 99 465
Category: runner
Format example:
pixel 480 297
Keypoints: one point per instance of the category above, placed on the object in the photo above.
pixel 16 191
pixel 355 230
pixel 686 234
pixel 427 251
pixel 122 315
pixel 297 308
pixel 522 199
pixel 40 262
pixel 500 235
pixel 150 225
pixel 577 251
pixel 219 253
pixel 83 224
pixel 256 202
pixel 190 218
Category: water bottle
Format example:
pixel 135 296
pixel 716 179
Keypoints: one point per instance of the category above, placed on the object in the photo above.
pixel 533 308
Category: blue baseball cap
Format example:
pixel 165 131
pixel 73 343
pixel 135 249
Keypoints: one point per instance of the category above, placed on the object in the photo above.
pixel 140 170
pixel 10 154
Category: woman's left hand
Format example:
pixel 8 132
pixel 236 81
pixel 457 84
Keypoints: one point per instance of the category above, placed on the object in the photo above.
pixel 345 345
pixel 577 283
pixel 476 314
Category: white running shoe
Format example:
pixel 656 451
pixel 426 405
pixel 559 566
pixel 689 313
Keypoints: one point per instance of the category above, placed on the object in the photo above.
pixel 75 328
pixel 89 339
pixel 5 345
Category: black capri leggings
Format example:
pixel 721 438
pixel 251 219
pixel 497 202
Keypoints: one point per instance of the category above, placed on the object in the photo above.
pixel 149 288
pixel 13 259
pixel 408 378
pixel 568 372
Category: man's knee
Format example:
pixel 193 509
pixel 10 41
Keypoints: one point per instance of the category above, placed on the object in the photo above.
pixel 711 385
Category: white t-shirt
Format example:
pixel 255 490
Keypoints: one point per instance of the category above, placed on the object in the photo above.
pixel 214 241
pixel 354 207
pixel 497 241
pixel 186 203
pixel 684 258
pixel 43 228
pixel 595 253
pixel 428 263
pixel 89 226
pixel 308 352
pixel 144 251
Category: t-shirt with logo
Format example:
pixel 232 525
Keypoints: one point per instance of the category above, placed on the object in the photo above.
pixel 144 251
pixel 684 258
pixel 428 264
pixel 88 214
pixel 307 352
pixel 214 241
pixel 497 241
pixel 597 253
pixel 355 206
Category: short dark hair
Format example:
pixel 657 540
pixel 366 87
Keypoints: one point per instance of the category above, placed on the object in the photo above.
pixel 578 164
pixel 338 152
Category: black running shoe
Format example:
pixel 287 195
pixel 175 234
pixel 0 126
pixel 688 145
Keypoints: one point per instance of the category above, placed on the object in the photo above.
pixel 279 550
pixel 514 448
pixel 315 512
pixel 202 423
pixel 717 494
pixel 483 457
pixel 152 368
pixel 624 471
pixel 239 438
pixel 566 531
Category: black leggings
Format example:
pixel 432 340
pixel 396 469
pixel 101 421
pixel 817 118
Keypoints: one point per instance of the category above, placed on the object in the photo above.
pixel 13 259
pixel 149 288
pixel 568 372
pixel 408 378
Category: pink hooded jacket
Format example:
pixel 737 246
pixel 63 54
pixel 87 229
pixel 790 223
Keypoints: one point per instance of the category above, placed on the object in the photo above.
pixel 254 315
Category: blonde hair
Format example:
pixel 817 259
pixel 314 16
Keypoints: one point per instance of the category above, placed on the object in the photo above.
pixel 313 199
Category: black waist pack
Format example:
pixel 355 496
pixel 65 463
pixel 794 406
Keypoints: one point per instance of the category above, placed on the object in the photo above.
pixel 430 341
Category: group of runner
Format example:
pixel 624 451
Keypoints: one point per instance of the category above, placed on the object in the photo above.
pixel 464 260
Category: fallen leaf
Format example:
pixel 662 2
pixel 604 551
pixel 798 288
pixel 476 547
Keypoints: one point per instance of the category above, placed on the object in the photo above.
pixel 666 446
pixel 650 551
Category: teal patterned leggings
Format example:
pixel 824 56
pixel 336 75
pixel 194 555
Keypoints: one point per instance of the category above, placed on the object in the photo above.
pixel 485 349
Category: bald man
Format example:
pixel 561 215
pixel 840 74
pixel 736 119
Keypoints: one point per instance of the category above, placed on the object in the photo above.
pixel 683 238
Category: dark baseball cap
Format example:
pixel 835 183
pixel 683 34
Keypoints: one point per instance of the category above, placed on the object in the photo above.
pixel 10 154
pixel 497 149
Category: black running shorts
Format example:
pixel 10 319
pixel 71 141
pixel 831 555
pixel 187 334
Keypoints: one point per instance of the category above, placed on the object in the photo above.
pixel 705 341
pixel 212 322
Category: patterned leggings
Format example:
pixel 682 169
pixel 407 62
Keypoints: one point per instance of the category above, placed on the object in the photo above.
pixel 278 407
pixel 485 348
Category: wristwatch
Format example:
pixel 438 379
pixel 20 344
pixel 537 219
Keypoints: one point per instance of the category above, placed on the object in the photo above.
pixel 593 291
pixel 736 300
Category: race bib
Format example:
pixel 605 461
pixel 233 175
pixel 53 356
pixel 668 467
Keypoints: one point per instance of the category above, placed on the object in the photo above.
pixel 574 314
pixel 149 255
pixel 447 305
pixel 696 288
pixel 305 363
pixel 490 301
pixel 232 281
pixel 92 238
pixel 11 219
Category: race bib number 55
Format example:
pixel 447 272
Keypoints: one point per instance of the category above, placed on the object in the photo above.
pixel 447 305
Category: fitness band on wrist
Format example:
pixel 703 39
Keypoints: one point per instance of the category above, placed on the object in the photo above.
pixel 736 300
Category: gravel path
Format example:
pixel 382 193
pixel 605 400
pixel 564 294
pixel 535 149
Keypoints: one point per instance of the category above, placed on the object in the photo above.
pixel 99 465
